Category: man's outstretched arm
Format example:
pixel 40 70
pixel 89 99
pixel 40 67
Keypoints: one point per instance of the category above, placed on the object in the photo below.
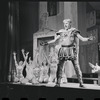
pixel 50 42
pixel 53 41
pixel 84 39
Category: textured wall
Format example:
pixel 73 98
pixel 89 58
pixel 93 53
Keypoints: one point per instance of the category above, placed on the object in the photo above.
pixel 88 50
pixel 54 22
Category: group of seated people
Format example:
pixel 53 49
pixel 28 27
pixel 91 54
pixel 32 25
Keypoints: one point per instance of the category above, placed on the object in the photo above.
pixel 41 73
pixel 36 73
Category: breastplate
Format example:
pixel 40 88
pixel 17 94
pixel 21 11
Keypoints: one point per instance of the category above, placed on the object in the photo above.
pixel 67 35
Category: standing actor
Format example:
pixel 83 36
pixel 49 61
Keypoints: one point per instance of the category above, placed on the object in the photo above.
pixel 68 47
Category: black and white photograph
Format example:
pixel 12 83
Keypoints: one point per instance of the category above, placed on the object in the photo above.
pixel 49 50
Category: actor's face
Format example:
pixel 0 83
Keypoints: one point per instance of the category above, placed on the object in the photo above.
pixel 67 25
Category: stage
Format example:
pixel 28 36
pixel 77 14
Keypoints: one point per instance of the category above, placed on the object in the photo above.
pixel 69 91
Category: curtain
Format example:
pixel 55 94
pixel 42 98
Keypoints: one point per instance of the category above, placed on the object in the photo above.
pixel 9 36
pixel 14 34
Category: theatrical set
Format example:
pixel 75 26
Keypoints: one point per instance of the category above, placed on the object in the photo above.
pixel 50 50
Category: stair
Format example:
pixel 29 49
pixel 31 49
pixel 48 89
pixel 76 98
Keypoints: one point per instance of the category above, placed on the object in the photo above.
pixel 88 78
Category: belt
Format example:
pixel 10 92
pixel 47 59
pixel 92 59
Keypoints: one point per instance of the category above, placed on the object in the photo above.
pixel 68 45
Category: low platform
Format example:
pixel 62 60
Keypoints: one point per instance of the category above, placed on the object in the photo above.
pixel 88 78
pixel 69 91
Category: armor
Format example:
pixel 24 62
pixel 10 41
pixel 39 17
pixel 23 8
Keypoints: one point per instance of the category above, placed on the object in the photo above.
pixel 68 52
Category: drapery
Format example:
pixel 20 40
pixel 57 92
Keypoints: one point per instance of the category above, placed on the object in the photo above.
pixel 9 37
pixel 14 34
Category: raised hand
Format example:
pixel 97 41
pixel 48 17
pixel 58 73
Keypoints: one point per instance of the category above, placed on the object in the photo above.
pixel 97 66
pixel 91 37
pixel 43 43
pixel 92 66
pixel 94 70
pixel 26 56
pixel 27 53
pixel 14 53
pixel 23 50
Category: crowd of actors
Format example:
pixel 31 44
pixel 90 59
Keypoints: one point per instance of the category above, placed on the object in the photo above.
pixel 67 43
pixel 35 72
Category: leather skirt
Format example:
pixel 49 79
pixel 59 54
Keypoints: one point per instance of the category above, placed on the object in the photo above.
pixel 67 53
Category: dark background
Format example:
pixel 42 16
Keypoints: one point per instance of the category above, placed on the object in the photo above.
pixel 25 23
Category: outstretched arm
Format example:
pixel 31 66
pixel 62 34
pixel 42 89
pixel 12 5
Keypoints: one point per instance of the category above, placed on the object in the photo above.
pixel 50 42
pixel 23 53
pixel 91 65
pixel 84 39
pixel 25 59
pixel 16 64
pixel 53 41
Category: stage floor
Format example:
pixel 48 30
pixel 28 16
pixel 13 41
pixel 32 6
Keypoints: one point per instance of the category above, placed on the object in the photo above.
pixel 67 85
pixel 69 91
